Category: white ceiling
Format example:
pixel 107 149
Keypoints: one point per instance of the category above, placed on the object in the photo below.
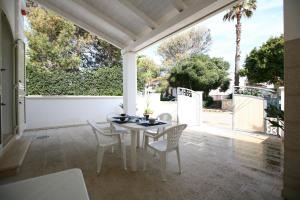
pixel 133 25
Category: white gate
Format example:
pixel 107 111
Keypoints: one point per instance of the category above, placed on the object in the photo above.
pixel 189 106
pixel 249 104
pixel 248 113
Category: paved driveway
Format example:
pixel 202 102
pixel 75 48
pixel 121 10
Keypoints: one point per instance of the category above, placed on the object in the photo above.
pixel 217 118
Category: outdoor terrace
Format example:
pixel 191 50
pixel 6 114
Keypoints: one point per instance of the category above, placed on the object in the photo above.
pixel 214 166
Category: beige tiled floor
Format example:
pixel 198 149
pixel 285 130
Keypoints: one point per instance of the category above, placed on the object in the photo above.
pixel 214 167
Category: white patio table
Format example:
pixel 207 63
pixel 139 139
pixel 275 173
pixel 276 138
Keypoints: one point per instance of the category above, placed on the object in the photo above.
pixel 135 130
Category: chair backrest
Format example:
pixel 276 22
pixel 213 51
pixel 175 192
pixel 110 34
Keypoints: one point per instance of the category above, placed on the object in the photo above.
pixel 166 117
pixel 96 130
pixel 173 135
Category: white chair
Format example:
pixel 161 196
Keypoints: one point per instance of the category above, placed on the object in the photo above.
pixel 114 128
pixel 165 117
pixel 164 146
pixel 106 139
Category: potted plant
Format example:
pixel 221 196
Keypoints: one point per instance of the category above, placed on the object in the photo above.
pixel 148 111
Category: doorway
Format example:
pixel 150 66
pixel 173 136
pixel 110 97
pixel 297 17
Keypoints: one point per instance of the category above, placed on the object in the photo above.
pixel 6 81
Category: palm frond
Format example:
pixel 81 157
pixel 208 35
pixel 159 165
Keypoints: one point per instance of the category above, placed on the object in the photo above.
pixel 229 15
pixel 245 8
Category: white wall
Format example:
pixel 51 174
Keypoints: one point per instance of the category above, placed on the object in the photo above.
pixel 58 111
pixel 54 111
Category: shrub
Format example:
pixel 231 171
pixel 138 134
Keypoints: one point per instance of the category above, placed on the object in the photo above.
pixel 207 101
pixel 102 81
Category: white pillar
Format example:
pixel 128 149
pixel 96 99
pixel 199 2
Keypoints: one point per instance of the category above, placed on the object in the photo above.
pixel 291 174
pixel 129 82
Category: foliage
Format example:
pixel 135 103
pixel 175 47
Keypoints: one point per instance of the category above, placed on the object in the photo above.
pixel 148 109
pixel 147 70
pixel 200 73
pixel 51 41
pixel 166 98
pixel 96 53
pixel 274 112
pixel 208 101
pixel 193 42
pixel 56 43
pixel 163 85
pixel 102 81
pixel 64 59
pixel 243 8
pixel 265 65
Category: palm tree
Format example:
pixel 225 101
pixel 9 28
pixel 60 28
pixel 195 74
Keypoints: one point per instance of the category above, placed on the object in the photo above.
pixel 242 9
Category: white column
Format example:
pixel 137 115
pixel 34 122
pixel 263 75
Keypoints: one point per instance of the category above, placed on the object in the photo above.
pixel 291 174
pixel 129 82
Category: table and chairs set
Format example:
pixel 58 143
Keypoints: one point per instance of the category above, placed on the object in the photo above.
pixel 159 135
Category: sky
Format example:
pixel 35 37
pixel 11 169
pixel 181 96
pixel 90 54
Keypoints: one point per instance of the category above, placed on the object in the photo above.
pixel 266 22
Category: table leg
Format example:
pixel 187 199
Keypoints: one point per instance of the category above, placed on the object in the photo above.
pixel 138 139
pixel 133 150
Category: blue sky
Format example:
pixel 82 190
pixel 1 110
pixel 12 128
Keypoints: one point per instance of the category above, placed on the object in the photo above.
pixel 267 21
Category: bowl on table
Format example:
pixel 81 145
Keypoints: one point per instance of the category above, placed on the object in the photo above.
pixel 122 118
pixel 152 120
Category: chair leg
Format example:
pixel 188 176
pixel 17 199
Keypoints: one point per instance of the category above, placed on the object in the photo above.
pixel 138 140
pixel 178 159
pixel 123 152
pixel 112 147
pixel 155 153
pixel 143 141
pixel 100 152
pixel 145 151
pixel 163 161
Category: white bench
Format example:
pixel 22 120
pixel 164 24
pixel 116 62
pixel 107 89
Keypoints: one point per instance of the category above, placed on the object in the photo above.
pixel 66 185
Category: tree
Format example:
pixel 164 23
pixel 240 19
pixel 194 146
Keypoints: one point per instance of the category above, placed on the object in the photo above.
pixel 244 8
pixel 51 40
pixel 96 53
pixel 200 73
pixel 265 65
pixel 147 70
pixel 56 43
pixel 64 59
pixel 193 42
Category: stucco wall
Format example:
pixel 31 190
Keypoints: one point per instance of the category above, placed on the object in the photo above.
pixel 54 111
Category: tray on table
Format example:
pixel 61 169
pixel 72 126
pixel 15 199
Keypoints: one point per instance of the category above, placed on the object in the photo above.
pixel 146 124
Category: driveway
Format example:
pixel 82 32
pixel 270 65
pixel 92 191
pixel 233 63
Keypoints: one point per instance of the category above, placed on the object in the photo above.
pixel 217 118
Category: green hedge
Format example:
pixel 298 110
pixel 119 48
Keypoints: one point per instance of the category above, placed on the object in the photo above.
pixel 103 81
